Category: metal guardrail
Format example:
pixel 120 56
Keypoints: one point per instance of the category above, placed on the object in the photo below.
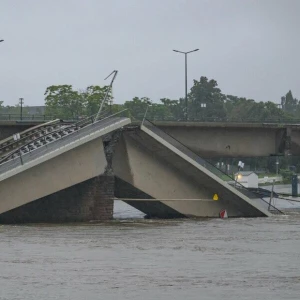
pixel 36 133
pixel 61 142
pixel 28 136
pixel 18 117
pixel 199 160
pixel 44 117
pixel 224 120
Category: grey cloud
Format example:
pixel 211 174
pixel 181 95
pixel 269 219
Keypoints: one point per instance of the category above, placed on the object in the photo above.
pixel 250 47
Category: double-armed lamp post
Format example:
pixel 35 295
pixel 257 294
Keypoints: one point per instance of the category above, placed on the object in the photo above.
pixel 186 102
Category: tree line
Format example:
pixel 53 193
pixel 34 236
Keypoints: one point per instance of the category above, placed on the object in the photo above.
pixel 205 102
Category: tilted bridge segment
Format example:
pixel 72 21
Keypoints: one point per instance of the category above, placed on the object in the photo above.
pixel 183 184
pixel 76 174
pixel 67 167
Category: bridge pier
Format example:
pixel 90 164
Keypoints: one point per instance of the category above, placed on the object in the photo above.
pixel 91 200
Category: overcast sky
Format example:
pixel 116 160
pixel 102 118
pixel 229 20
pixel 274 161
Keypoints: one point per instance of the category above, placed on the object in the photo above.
pixel 251 47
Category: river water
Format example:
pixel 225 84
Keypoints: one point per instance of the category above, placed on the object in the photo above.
pixel 153 259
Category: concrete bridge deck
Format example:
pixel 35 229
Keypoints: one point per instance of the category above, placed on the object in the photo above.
pixel 60 146
pixel 64 163
pixel 217 139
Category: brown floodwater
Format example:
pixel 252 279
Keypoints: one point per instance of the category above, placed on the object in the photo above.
pixel 152 259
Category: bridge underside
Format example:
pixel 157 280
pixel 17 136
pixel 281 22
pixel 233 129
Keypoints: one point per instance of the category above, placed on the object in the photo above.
pixel 140 201
pixel 161 174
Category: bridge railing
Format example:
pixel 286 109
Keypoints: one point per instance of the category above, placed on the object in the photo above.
pixel 45 117
pixel 18 117
pixel 272 120
pixel 204 163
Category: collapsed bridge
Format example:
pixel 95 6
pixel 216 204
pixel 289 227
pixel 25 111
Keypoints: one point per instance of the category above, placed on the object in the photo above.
pixel 72 172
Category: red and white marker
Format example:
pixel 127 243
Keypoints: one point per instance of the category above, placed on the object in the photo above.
pixel 223 214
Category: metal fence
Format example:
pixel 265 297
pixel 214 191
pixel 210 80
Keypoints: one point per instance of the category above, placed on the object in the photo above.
pixel 41 117
pixel 274 120
pixel 18 117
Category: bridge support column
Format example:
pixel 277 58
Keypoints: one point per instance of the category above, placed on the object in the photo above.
pixel 91 200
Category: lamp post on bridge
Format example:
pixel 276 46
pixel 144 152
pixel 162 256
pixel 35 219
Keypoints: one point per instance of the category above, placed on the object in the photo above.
pixel 186 102
pixel 21 101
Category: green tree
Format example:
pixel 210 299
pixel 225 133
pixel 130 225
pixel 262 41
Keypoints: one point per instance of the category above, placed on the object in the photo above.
pixel 62 101
pixel 242 109
pixel 289 103
pixel 93 96
pixel 137 107
pixel 173 109
pixel 206 100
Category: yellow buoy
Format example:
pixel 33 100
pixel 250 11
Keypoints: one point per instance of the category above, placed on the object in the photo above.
pixel 215 197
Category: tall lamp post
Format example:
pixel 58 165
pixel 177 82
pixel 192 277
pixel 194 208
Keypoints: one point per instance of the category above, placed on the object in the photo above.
pixel 21 101
pixel 186 103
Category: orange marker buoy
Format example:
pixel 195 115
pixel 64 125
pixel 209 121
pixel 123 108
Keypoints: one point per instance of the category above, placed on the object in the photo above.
pixel 223 214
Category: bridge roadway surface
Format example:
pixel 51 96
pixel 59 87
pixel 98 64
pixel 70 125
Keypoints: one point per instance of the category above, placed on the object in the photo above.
pixel 58 144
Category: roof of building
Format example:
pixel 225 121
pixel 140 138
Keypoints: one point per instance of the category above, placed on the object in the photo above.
pixel 246 173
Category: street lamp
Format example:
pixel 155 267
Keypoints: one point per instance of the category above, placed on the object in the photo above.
pixel 1 41
pixel 202 105
pixel 186 103
pixel 21 101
